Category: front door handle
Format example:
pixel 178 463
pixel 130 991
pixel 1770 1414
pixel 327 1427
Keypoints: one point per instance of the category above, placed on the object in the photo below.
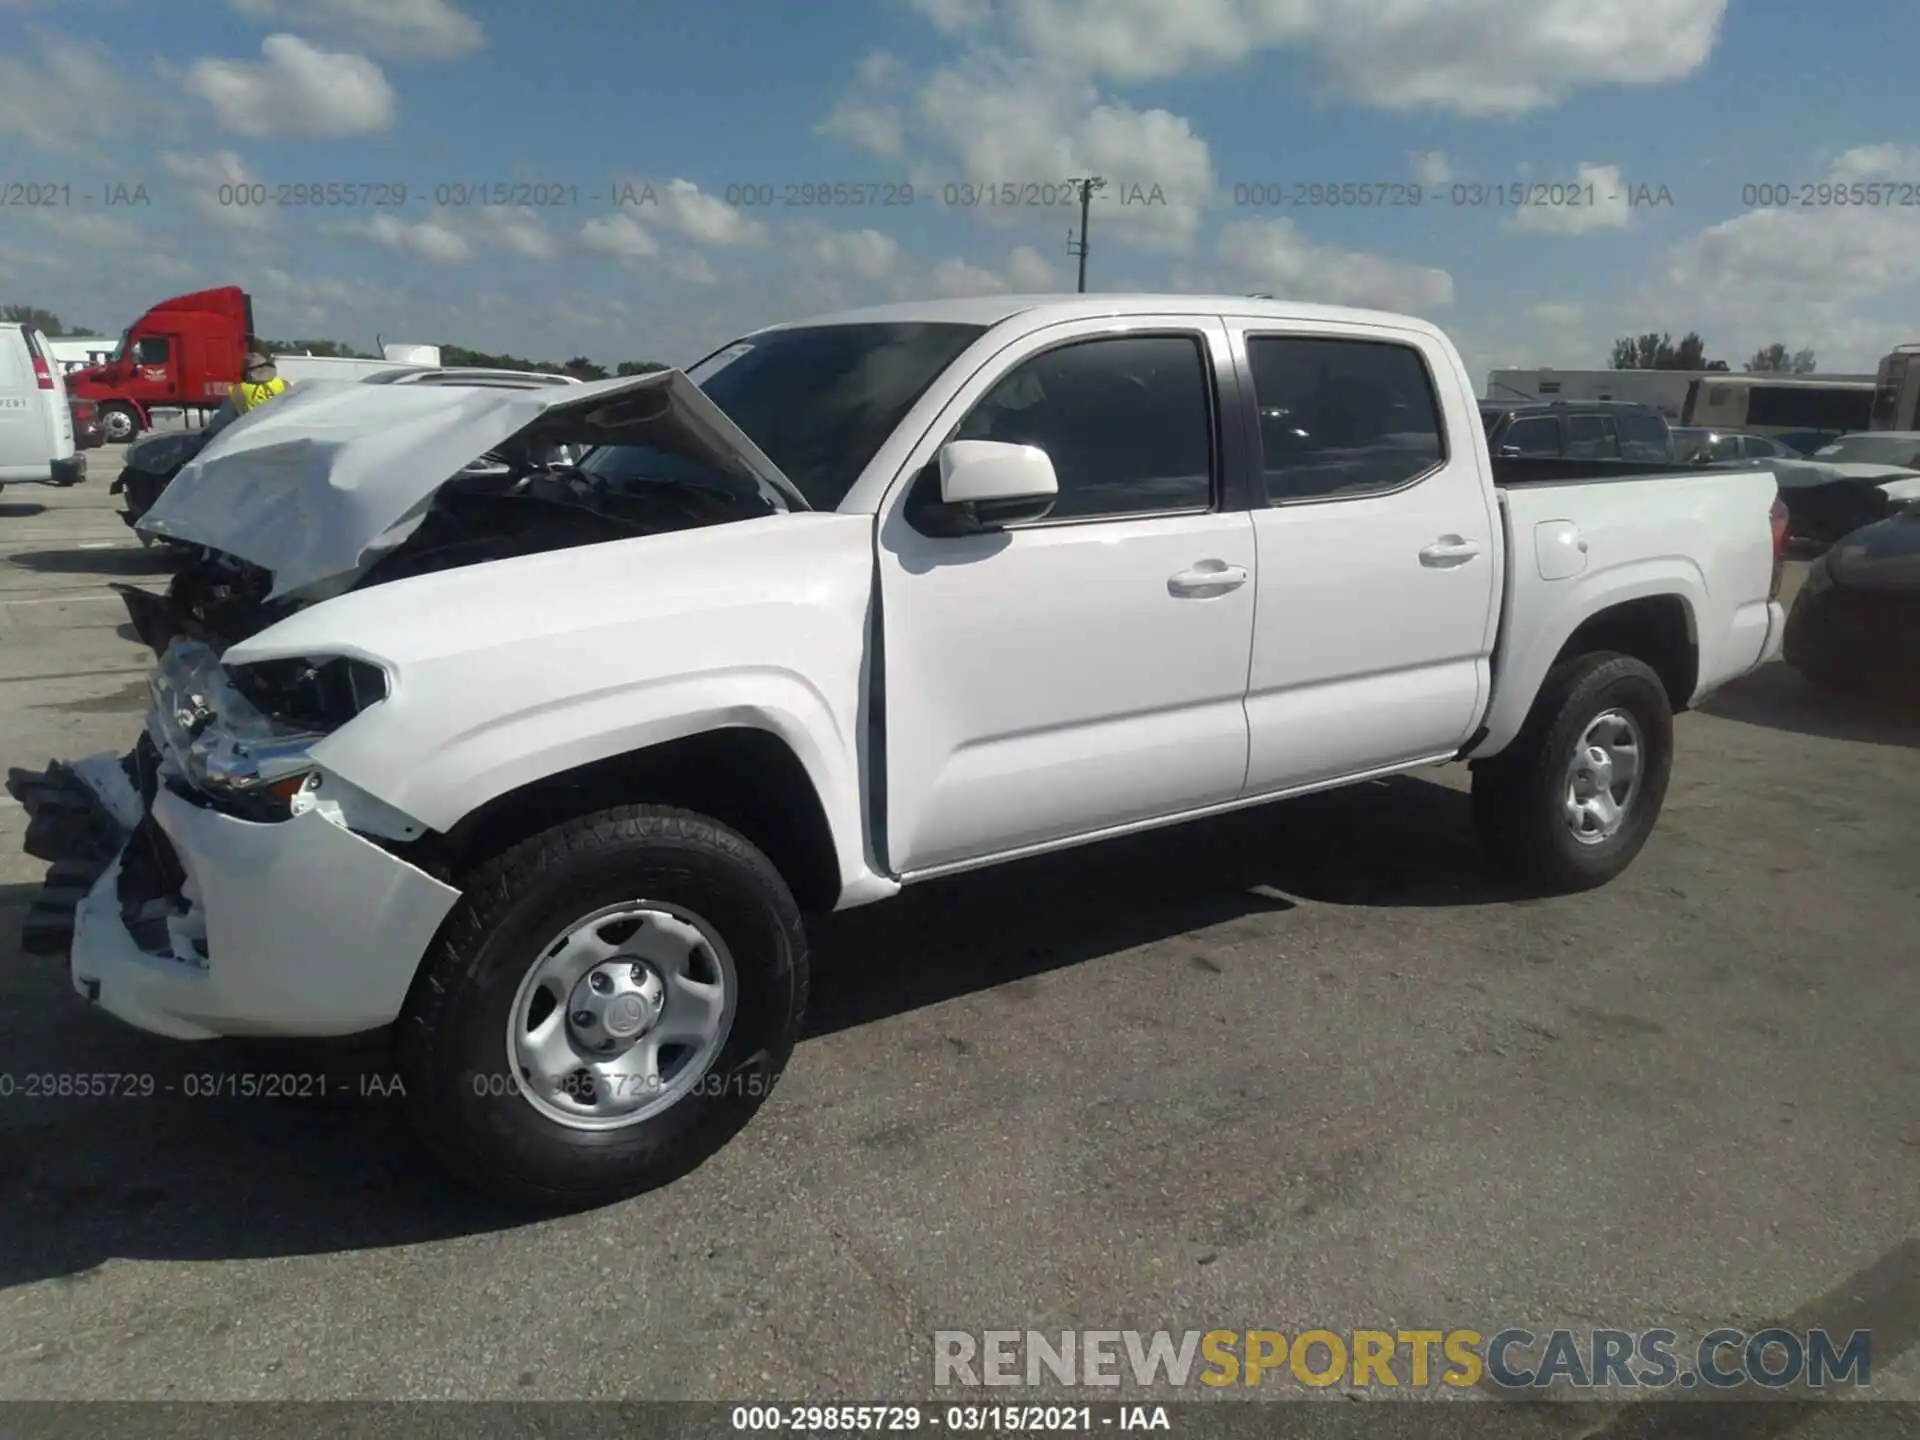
pixel 1209 577
pixel 1449 550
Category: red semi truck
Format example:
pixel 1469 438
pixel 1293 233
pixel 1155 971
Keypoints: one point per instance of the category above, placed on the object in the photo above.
pixel 185 353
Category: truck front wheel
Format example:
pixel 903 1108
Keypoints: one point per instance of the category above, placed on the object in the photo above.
pixel 1569 804
pixel 609 1004
pixel 120 423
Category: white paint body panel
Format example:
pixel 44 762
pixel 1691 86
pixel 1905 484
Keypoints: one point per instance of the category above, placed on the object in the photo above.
pixel 505 673
pixel 1699 536
pixel 311 931
pixel 36 426
pixel 1367 653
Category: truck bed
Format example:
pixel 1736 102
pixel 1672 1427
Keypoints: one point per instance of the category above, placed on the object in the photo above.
pixel 1695 537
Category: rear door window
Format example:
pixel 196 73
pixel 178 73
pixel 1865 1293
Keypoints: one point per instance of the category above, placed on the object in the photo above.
pixel 1644 437
pixel 1591 437
pixel 1537 436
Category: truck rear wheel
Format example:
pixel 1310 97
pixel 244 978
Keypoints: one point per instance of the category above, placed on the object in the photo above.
pixel 1569 804
pixel 609 1004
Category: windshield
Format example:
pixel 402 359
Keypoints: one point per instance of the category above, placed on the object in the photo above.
pixel 1902 450
pixel 121 348
pixel 819 401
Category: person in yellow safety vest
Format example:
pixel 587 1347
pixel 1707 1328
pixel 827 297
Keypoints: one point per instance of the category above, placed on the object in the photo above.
pixel 261 384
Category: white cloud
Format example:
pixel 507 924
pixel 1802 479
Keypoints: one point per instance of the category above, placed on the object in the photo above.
pixel 991 120
pixel 296 89
pixel 705 218
pixel 518 228
pixel 1031 273
pixel 869 123
pixel 620 236
pixel 401 29
pixel 959 279
pixel 208 176
pixel 843 268
pixel 1610 207
pixel 431 239
pixel 288 304
pixel 1557 312
pixel 1838 280
pixel 92 230
pixel 1477 57
pixel 1876 162
pixel 67 98
pixel 1273 257
pixel 1431 167
pixel 691 268
pixel 867 254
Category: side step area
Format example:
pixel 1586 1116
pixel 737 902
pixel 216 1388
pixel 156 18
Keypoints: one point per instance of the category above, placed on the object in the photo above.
pixel 78 830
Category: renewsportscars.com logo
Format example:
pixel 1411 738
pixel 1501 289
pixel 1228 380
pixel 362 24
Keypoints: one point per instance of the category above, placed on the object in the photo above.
pixel 1513 1359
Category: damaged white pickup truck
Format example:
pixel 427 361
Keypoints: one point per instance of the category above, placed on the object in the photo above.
pixel 531 756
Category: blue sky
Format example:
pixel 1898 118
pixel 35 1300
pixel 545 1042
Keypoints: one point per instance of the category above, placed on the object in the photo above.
pixel 1201 109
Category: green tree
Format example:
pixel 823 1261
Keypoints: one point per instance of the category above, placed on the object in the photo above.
pixel 1775 359
pixel 1657 350
pixel 581 368
pixel 640 367
pixel 45 321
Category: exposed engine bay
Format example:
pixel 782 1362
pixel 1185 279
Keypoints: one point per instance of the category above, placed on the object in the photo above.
pixel 567 482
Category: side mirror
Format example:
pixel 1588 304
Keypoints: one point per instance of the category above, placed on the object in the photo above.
pixel 987 484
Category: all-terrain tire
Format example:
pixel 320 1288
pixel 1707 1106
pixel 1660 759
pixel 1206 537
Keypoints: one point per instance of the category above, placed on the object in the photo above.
pixel 453 1051
pixel 1520 796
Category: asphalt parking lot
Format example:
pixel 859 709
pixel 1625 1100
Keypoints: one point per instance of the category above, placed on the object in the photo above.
pixel 1310 1066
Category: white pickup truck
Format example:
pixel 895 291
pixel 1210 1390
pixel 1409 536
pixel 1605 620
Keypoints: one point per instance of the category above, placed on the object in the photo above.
pixel 531 767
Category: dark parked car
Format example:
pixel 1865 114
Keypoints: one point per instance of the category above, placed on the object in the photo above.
pixel 1577 429
pixel 1855 625
pixel 88 433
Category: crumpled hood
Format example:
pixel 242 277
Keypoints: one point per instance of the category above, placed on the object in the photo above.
pixel 313 485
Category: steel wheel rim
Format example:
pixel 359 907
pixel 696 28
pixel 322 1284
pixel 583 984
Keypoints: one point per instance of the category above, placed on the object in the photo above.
pixel 117 424
pixel 621 1015
pixel 1603 777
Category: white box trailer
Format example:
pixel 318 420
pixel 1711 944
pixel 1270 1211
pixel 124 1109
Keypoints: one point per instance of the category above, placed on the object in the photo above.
pixel 1665 390
pixel 294 368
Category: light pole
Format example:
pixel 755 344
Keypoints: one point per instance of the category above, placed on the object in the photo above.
pixel 1088 184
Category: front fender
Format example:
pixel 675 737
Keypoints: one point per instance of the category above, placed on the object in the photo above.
pixel 506 673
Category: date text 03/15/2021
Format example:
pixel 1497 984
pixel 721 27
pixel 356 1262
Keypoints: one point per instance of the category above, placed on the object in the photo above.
pixel 955 1419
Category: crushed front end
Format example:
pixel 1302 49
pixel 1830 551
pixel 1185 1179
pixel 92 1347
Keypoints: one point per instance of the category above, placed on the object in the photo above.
pixel 216 881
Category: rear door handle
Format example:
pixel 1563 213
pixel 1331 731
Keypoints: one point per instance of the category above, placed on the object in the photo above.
pixel 1449 550
pixel 1209 577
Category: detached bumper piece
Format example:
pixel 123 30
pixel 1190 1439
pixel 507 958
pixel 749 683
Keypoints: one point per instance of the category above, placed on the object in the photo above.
pixel 79 817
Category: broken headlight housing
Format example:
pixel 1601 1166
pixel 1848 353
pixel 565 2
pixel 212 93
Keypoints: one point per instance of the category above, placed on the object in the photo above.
pixel 244 733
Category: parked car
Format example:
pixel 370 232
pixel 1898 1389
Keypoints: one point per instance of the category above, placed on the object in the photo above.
pixel 1694 445
pixel 537 779
pixel 37 443
pixel 1855 625
pixel 88 433
pixel 1849 482
pixel 1577 429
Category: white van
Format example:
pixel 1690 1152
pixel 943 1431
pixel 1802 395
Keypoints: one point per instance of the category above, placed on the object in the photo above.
pixel 36 422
